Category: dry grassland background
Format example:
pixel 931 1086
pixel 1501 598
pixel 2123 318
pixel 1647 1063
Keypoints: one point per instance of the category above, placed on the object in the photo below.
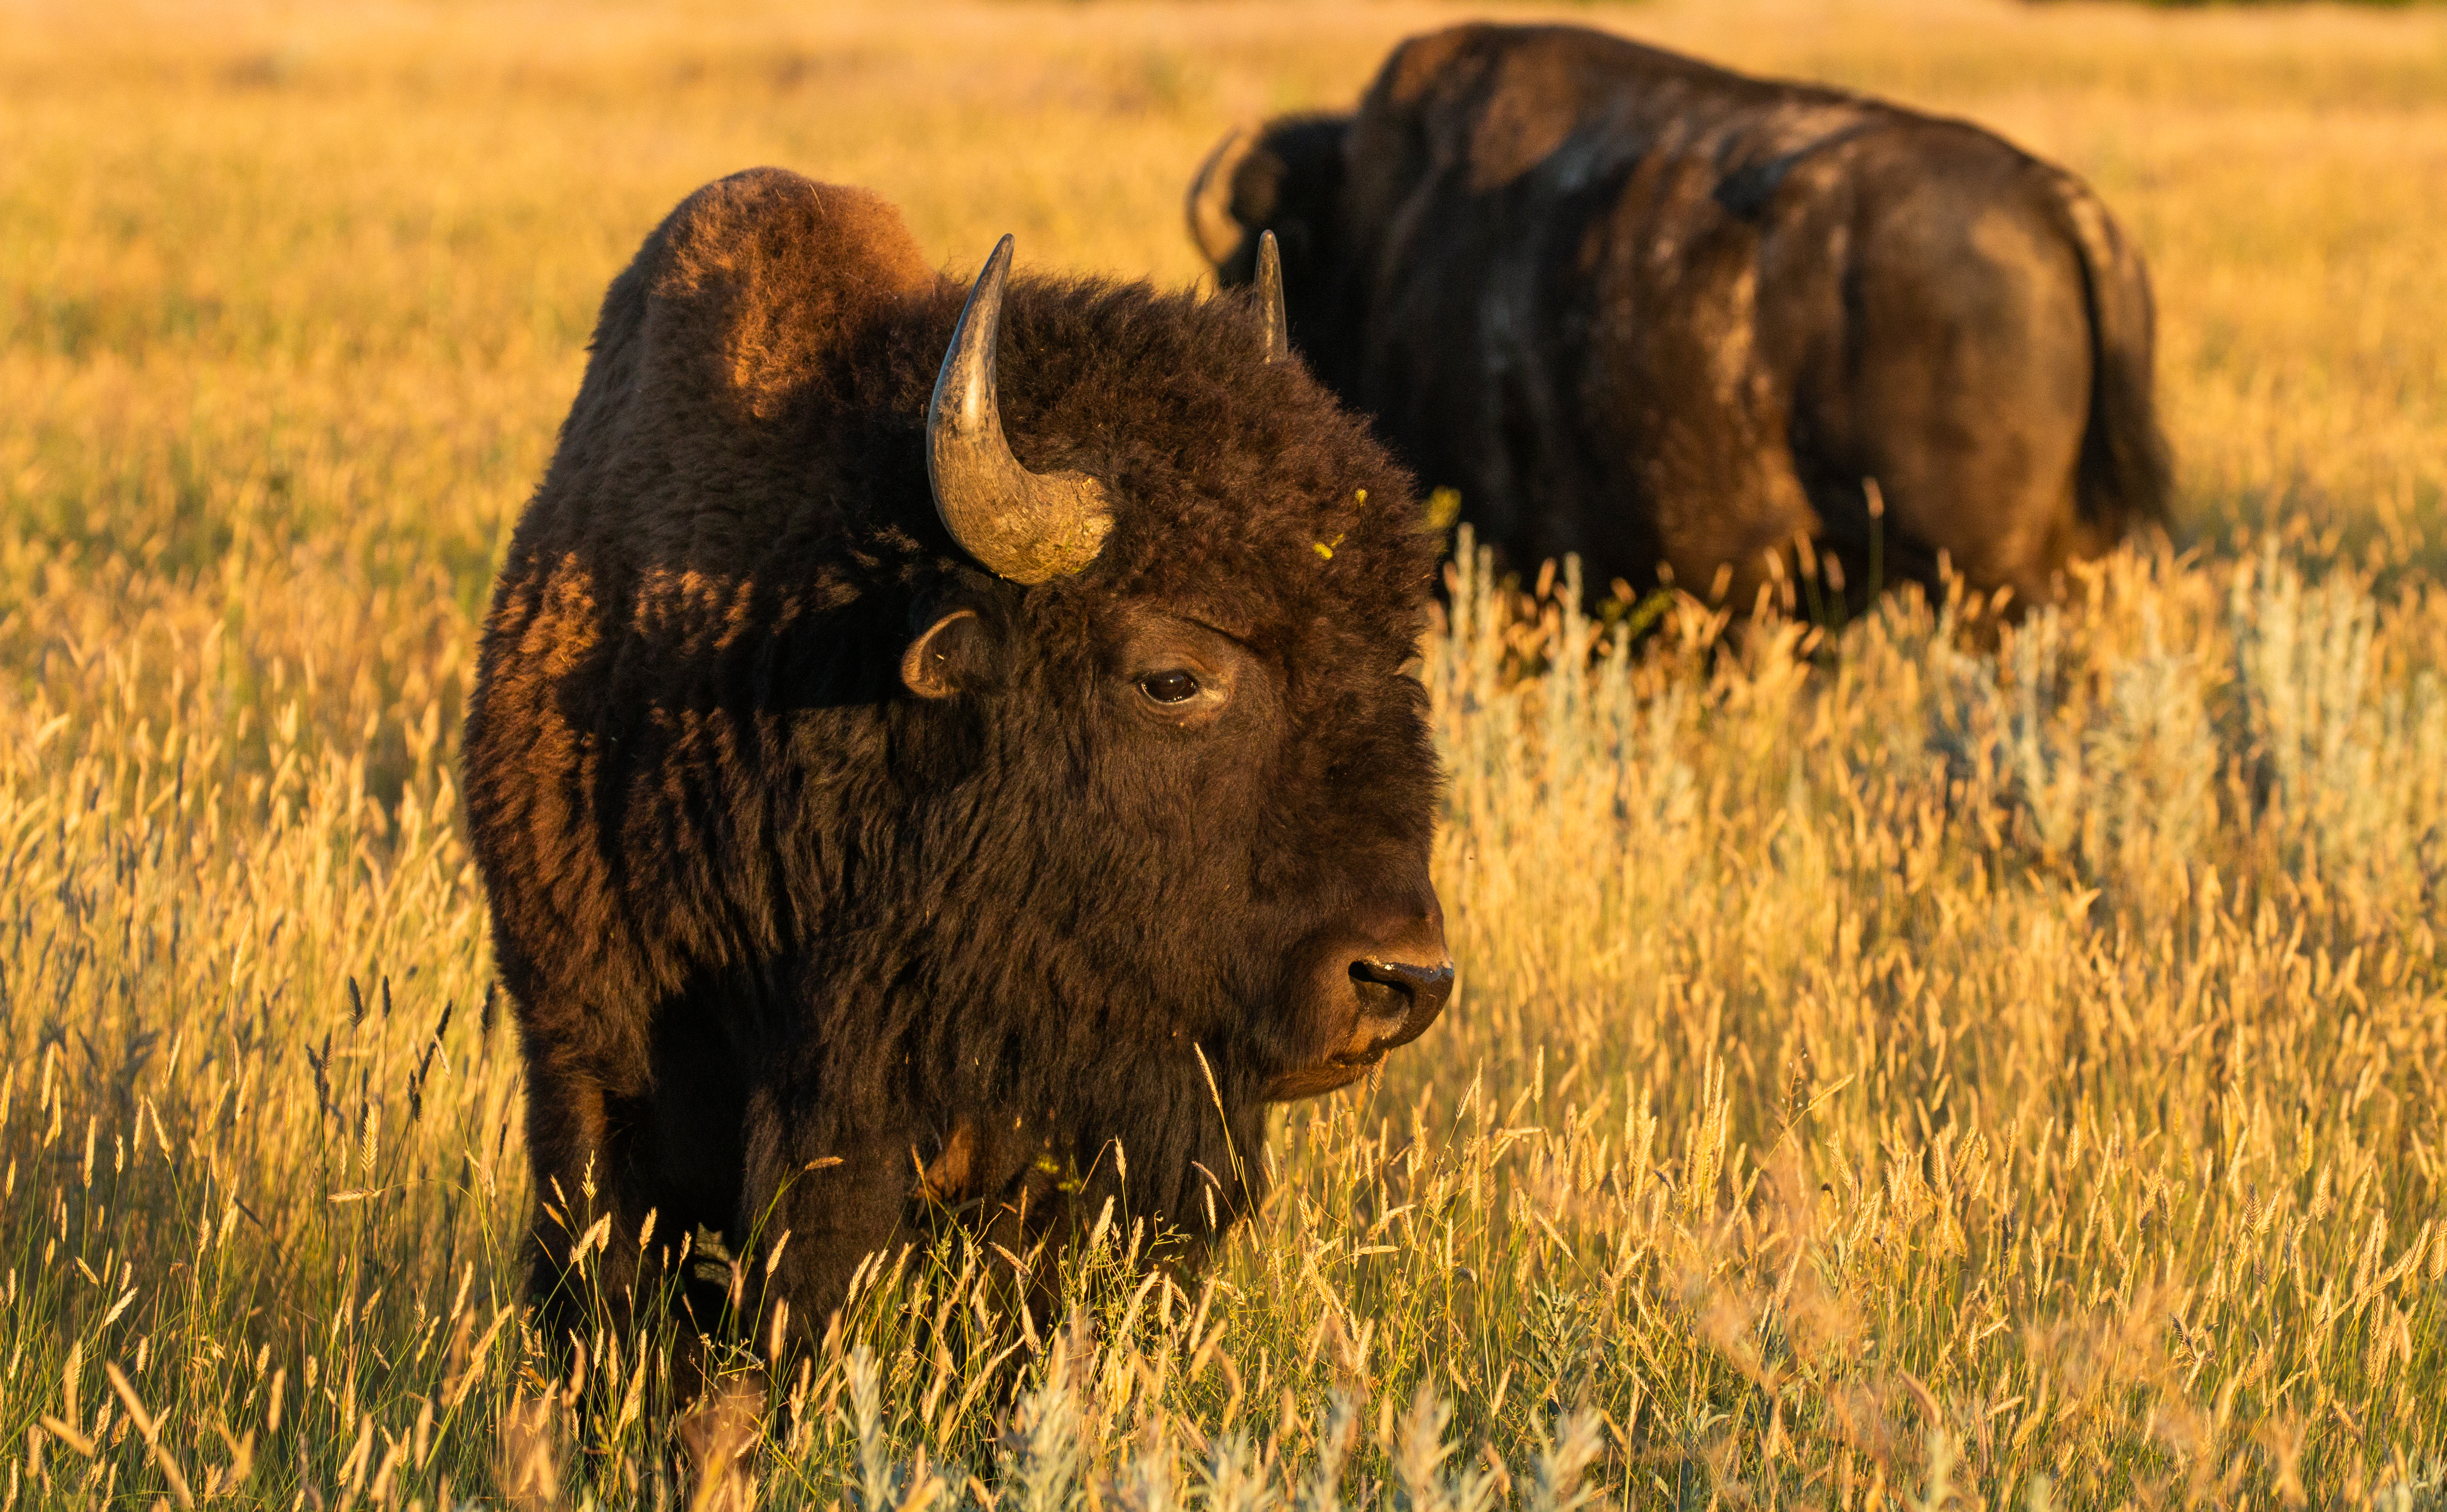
pixel 1906 1075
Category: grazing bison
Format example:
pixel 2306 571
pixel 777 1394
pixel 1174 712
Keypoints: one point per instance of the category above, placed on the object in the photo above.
pixel 1672 318
pixel 936 757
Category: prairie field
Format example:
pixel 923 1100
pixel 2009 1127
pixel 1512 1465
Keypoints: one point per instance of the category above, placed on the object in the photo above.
pixel 1906 1064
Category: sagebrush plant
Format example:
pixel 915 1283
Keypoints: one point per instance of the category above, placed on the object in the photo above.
pixel 1924 1061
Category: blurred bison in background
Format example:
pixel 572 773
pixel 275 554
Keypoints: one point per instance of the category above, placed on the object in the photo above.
pixel 886 814
pixel 1673 318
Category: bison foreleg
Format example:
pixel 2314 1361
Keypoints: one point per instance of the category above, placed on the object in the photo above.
pixel 816 1203
pixel 592 1250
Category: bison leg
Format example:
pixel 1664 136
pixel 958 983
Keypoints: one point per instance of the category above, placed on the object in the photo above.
pixel 814 1205
pixel 589 1233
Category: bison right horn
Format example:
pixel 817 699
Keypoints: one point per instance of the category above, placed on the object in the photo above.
pixel 1028 527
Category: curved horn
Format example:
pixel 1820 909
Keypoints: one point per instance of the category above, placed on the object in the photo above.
pixel 1025 526
pixel 1271 318
pixel 1211 222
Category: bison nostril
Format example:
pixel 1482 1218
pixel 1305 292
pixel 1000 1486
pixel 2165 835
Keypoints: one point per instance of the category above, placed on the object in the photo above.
pixel 1409 993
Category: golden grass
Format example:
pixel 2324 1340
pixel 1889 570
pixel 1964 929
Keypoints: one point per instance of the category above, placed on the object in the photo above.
pixel 1897 1074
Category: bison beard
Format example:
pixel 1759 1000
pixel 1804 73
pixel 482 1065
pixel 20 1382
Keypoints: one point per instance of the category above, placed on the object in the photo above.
pixel 841 882
pixel 1667 316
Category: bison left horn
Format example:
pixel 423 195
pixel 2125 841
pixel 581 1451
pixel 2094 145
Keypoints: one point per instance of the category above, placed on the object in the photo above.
pixel 1271 319
pixel 1213 225
pixel 1026 526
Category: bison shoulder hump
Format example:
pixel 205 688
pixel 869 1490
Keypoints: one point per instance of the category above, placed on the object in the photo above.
pixel 767 273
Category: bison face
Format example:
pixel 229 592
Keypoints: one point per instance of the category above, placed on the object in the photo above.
pixel 1246 842
pixel 1210 786
pixel 1323 870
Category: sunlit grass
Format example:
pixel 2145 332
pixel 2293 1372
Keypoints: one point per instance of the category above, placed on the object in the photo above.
pixel 1913 1061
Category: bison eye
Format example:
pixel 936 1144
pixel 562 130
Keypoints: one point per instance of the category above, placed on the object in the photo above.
pixel 1172 687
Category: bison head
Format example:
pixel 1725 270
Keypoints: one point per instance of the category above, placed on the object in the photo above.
pixel 1283 180
pixel 1249 779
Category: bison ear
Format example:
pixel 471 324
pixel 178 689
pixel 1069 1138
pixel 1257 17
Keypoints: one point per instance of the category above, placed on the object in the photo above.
pixel 948 656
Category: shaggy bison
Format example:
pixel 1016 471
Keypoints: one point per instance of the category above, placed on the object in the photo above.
pixel 1673 318
pixel 935 757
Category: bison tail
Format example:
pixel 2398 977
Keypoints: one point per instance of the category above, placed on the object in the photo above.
pixel 2126 475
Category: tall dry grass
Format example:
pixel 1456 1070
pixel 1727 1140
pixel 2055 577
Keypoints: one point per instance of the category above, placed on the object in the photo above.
pixel 1887 1070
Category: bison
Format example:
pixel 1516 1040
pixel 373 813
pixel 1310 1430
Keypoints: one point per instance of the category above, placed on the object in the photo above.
pixel 1677 320
pixel 938 750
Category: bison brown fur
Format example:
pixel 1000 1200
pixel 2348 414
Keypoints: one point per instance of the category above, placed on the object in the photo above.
pixel 839 881
pixel 1672 318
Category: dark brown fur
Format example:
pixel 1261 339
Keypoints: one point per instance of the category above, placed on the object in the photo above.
pixel 1666 316
pixel 797 949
